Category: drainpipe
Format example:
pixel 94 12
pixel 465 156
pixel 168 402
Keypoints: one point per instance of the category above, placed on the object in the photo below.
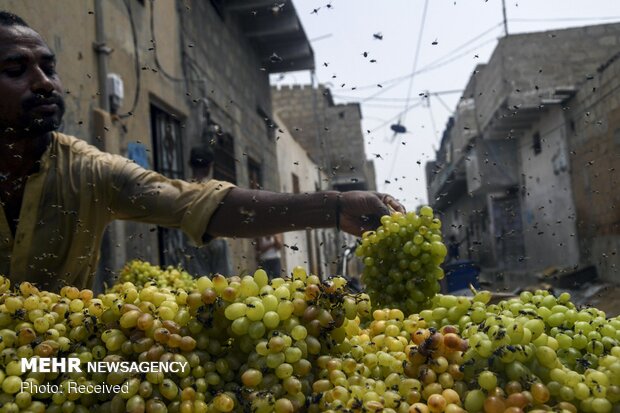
pixel 106 261
pixel 102 52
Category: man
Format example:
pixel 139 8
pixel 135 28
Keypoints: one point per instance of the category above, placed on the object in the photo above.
pixel 269 254
pixel 453 249
pixel 58 193
pixel 213 258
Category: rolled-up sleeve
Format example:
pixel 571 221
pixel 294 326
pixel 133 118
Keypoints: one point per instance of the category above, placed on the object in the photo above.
pixel 146 196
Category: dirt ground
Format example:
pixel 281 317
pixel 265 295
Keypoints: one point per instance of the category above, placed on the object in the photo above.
pixel 605 297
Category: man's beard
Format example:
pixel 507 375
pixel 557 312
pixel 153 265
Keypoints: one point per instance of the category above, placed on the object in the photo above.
pixel 35 123
pixel 41 125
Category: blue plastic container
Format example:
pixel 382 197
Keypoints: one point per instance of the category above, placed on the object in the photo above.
pixel 459 275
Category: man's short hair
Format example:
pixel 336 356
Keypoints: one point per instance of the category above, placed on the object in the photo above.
pixel 201 157
pixel 10 19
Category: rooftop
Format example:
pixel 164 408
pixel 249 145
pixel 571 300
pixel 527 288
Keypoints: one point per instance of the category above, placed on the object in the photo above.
pixel 275 29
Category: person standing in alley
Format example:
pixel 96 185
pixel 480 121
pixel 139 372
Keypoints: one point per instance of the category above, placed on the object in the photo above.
pixel 214 257
pixel 269 254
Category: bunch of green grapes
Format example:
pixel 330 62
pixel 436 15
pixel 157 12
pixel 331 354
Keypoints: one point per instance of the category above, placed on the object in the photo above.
pixel 402 260
pixel 141 273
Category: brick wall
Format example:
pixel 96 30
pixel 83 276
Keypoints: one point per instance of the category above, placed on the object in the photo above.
pixel 594 139
pixel 331 134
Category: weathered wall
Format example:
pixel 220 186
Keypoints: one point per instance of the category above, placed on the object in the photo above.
pixel 594 140
pixel 464 131
pixel 462 220
pixel 547 206
pixel 491 165
pixel 339 147
pixel 526 66
pixel 223 67
pixel 293 159
pixel 72 44
pixel 152 87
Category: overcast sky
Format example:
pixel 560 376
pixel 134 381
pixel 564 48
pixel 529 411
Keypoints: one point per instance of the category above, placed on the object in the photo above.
pixel 456 35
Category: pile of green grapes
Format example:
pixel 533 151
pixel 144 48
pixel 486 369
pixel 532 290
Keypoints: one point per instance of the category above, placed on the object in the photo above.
pixel 402 260
pixel 305 345
pixel 526 354
pixel 250 344
pixel 141 273
pixel 538 345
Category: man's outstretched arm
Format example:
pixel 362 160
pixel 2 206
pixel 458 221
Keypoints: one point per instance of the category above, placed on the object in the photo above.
pixel 252 213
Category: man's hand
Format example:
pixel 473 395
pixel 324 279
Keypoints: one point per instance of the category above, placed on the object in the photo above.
pixel 361 211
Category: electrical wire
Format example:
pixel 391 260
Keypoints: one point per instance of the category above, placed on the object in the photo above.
pixel 563 19
pixel 415 61
pixel 415 105
pixel 159 66
pixel 374 96
pixel 431 66
pixel 442 92
pixel 443 103
pixel 383 105
pixel 434 62
pixel 434 66
pixel 426 69
pixel 433 124
pixel 136 96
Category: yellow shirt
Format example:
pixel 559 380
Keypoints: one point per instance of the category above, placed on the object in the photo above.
pixel 76 193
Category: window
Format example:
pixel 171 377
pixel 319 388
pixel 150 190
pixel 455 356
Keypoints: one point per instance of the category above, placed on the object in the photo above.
pixel 254 174
pixel 167 144
pixel 536 143
pixel 225 168
pixel 168 161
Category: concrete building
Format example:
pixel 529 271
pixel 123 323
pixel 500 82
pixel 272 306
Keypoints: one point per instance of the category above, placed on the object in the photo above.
pixel 502 178
pixel 593 131
pixel 310 249
pixel 330 133
pixel 194 72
